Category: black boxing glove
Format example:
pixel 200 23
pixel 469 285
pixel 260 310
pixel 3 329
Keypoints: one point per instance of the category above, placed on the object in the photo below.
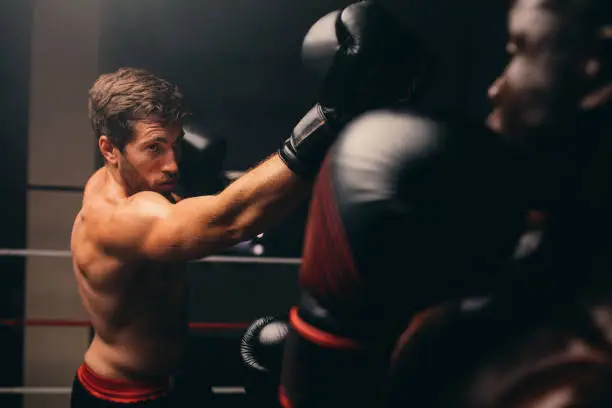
pixel 261 350
pixel 433 193
pixel 202 161
pixel 436 193
pixel 366 59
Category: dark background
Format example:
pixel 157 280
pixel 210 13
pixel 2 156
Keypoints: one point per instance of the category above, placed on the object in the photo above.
pixel 237 62
pixel 15 19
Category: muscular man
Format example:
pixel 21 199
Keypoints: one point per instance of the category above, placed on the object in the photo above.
pixel 132 237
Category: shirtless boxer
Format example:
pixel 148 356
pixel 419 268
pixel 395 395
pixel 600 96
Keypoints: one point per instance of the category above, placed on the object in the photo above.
pixel 132 237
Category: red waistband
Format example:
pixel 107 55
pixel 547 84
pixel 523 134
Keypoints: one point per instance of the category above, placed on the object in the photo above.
pixel 284 400
pixel 320 337
pixel 121 390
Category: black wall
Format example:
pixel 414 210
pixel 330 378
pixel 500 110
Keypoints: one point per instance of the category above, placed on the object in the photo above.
pixel 238 61
pixel 15 19
pixel 468 38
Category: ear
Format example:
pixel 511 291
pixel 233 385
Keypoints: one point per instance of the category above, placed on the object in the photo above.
pixel 600 62
pixel 598 71
pixel 605 49
pixel 108 150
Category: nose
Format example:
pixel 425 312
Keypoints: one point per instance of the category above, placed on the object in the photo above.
pixel 495 88
pixel 171 163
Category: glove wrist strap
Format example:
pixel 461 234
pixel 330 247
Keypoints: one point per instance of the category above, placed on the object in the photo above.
pixel 304 150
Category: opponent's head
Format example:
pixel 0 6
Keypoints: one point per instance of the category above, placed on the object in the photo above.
pixel 560 65
pixel 137 116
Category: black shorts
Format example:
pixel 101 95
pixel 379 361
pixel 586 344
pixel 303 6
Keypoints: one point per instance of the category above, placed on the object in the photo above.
pixel 93 391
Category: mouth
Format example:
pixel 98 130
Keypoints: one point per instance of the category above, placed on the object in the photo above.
pixel 494 121
pixel 167 186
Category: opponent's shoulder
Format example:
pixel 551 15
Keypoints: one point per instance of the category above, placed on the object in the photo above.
pixel 406 136
pixel 404 129
pixel 391 150
pixel 381 139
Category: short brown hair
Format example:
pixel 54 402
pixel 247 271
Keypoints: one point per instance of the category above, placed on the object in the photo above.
pixel 119 99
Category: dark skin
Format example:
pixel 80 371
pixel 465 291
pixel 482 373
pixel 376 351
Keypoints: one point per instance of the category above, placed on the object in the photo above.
pixel 557 75
pixel 554 73
pixel 553 98
pixel 550 346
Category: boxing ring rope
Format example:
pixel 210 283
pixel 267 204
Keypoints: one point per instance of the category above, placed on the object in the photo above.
pixel 86 323
pixel 67 390
pixel 229 390
pixel 56 253
pixel 53 253
pixel 31 390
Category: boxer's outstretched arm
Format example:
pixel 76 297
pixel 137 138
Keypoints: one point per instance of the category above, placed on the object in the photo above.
pixel 148 226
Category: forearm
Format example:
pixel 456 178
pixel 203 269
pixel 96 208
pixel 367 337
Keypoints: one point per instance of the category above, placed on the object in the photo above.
pixel 256 201
pixel 262 197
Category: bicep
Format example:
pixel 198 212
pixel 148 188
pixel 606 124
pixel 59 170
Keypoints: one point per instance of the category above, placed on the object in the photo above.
pixel 125 230
pixel 193 228
pixel 149 227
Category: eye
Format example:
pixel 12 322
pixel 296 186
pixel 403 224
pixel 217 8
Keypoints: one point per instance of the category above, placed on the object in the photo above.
pixel 511 49
pixel 517 44
pixel 155 148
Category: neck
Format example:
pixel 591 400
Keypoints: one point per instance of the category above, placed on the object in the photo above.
pixel 597 171
pixel 118 184
pixel 572 159
pixel 581 216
